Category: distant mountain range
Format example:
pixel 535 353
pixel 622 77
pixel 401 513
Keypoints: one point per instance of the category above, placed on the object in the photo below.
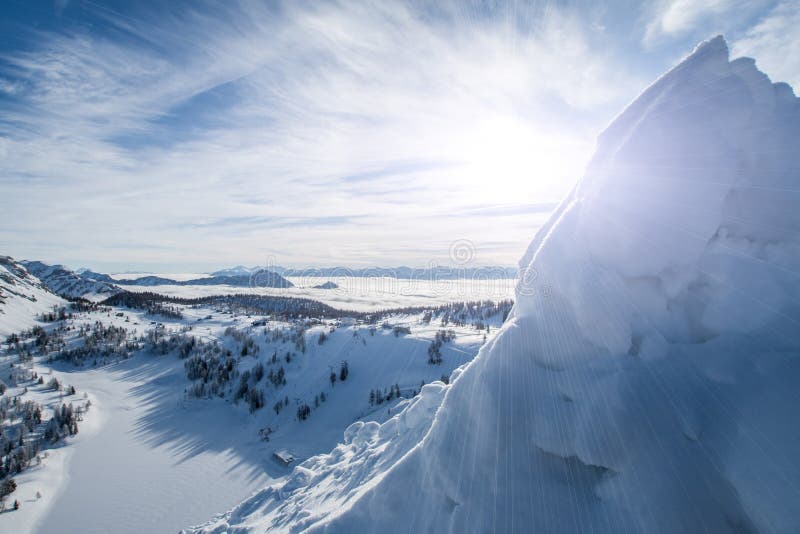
pixel 68 283
pixel 89 284
pixel 402 272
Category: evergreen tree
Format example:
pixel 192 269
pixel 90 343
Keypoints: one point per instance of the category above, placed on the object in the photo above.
pixel 7 486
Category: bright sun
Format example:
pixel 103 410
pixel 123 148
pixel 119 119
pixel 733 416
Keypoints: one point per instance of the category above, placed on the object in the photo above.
pixel 509 161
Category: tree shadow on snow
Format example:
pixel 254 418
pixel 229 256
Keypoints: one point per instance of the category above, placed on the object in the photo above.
pixel 190 427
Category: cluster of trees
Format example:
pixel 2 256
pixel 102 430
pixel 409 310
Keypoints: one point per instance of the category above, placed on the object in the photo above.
pixel 63 423
pixel 28 412
pixel 93 342
pixel 56 314
pixel 212 370
pixel 249 347
pixel 299 339
pixel 296 333
pixel 401 330
pixel 83 305
pixel 98 341
pixel 276 335
pixel 13 339
pixel 8 486
pixel 159 340
pixel 379 396
pixel 255 399
pixel 24 432
pixel 435 348
pixel 151 303
pixel 480 325
pixel 283 307
pixel 248 390
pixel 36 339
pixel 304 409
pixel 280 405
pixel 344 371
pixel 474 312
pixel 158 308
pixel 455 313
pixel 277 378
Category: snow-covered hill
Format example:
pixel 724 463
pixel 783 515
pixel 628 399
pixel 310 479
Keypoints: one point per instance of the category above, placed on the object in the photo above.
pixel 647 378
pixel 22 297
pixel 67 283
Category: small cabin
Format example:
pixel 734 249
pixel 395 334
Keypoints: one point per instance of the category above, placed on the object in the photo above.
pixel 284 456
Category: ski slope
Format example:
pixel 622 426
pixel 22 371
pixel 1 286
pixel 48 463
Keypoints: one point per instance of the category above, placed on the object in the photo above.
pixel 647 378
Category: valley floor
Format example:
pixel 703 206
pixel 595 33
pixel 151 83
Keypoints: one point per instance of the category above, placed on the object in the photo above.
pixel 122 478
pixel 117 477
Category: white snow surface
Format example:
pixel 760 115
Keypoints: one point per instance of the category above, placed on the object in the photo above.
pixel 646 380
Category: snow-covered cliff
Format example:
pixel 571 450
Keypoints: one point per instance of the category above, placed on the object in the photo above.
pixel 22 297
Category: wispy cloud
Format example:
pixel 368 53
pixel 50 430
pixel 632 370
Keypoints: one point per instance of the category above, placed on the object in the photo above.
pixel 330 133
pixel 762 29
pixel 675 17
pixel 774 40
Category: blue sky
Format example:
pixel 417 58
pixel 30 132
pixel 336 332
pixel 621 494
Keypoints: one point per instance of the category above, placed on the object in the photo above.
pixel 171 136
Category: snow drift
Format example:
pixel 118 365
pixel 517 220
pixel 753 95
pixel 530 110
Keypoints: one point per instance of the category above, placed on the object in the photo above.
pixel 646 380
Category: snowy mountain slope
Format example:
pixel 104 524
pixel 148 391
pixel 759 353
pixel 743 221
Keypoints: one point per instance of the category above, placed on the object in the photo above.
pixel 22 297
pixel 647 378
pixel 239 270
pixel 100 277
pixel 67 283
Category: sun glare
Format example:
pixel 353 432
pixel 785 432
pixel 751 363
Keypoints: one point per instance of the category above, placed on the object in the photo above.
pixel 509 160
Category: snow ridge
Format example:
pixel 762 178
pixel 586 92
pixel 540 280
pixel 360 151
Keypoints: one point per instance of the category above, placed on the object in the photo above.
pixel 67 283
